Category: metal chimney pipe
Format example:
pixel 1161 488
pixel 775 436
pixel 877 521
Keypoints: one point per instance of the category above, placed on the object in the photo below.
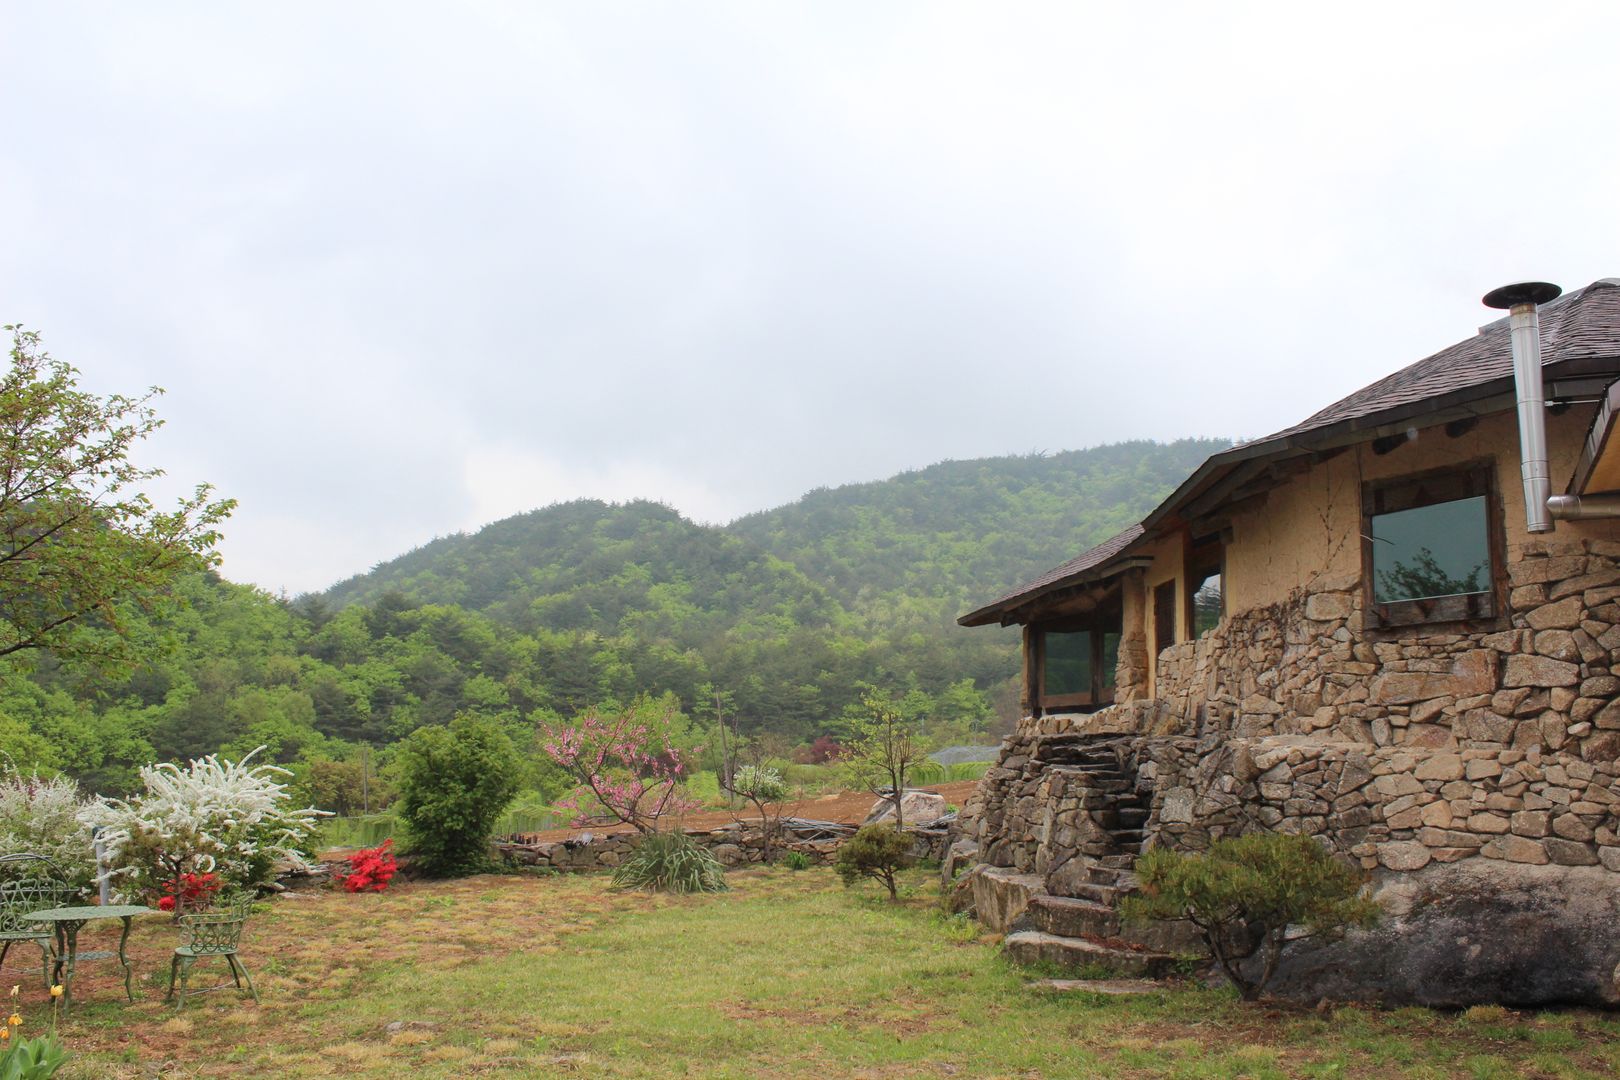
pixel 1521 300
pixel 1579 507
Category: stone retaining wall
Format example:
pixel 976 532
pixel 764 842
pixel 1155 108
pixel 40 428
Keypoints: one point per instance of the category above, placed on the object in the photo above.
pixel 1405 751
pixel 1388 806
pixel 732 845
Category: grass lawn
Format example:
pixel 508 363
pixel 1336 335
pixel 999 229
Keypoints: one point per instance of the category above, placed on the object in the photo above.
pixel 789 975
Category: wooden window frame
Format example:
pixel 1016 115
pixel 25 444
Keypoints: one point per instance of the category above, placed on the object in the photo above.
pixel 1101 693
pixel 1203 558
pixel 1481 611
pixel 1164 596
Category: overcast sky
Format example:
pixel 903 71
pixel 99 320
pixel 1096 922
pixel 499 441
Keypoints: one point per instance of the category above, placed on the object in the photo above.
pixel 405 269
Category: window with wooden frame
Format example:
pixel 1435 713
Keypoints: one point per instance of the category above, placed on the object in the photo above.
pixel 1432 548
pixel 1075 664
pixel 1164 615
pixel 1206 568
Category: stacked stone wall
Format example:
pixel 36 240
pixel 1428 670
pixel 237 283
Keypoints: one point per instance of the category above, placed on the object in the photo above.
pixel 1440 761
pixel 732 846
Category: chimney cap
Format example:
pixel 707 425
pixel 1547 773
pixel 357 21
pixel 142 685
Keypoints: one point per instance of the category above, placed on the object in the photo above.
pixel 1522 292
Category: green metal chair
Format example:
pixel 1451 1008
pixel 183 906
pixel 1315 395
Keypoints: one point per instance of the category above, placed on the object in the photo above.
pixel 211 933
pixel 30 883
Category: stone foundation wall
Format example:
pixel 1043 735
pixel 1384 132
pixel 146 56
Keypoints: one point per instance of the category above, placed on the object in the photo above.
pixel 732 846
pixel 1388 807
pixel 1413 753
pixel 1548 682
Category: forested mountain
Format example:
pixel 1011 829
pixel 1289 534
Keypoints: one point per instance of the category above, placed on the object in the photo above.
pixel 786 613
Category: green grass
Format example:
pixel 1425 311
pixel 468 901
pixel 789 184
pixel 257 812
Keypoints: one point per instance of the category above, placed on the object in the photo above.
pixel 789 976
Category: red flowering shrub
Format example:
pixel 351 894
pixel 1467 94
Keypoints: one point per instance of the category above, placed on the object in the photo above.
pixel 820 752
pixel 192 891
pixel 371 869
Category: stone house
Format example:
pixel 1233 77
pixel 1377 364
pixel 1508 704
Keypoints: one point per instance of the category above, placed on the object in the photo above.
pixel 1364 629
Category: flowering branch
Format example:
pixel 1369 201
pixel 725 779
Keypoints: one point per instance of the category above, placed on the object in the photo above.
pixel 626 767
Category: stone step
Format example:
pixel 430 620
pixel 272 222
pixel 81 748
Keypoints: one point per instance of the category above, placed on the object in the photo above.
pixel 1035 947
pixel 1117 862
pixel 1097 894
pixel 1130 839
pixel 1117 876
pixel 1132 817
pixel 1068 917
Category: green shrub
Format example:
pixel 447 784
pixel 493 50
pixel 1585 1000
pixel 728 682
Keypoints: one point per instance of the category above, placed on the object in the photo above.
pixel 670 862
pixel 1244 894
pixel 878 852
pixel 759 783
pixel 454 783
pixel 797 860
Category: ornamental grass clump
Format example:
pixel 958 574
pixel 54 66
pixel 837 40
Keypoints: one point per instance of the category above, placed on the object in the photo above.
pixel 1245 894
pixel 40 816
pixel 671 862
pixel 229 819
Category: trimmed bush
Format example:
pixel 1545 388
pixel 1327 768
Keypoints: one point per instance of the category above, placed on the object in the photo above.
pixel 878 852
pixel 671 862
pixel 455 782
pixel 1245 893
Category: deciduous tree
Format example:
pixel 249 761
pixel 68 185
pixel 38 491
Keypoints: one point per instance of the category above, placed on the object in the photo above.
pixel 78 539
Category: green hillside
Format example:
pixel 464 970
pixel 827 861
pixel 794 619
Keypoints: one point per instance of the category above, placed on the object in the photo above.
pixel 787 613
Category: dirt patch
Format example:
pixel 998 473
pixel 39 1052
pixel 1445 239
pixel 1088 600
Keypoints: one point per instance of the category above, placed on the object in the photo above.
pixel 850 807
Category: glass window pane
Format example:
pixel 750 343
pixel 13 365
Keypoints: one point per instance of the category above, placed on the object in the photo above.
pixel 1110 658
pixel 1068 663
pixel 1207 604
pixel 1429 551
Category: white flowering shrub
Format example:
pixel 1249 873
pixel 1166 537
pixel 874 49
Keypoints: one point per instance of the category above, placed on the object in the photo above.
pixel 40 816
pixel 229 819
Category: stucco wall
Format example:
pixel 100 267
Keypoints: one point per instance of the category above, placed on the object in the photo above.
pixel 1309 529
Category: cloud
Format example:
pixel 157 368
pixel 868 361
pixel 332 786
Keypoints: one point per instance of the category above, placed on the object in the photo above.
pixel 401 270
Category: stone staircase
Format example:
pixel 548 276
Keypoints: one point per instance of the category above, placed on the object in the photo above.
pixel 1071 919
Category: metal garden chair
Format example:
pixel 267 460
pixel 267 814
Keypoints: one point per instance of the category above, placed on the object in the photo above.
pixel 208 934
pixel 31 883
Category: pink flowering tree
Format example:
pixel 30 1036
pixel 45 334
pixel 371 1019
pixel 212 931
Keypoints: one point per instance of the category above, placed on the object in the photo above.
pixel 622 765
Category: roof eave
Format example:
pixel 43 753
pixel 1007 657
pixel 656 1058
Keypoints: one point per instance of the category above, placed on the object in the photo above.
pixel 1004 612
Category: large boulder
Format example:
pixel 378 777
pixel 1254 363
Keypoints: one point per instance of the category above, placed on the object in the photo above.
pixel 916 808
pixel 1474 932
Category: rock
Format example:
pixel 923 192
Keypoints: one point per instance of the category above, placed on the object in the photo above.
pixel 916 807
pixel 1049 950
pixel 1529 670
pixel 1440 767
pixel 728 854
pixel 1531 823
pixel 1327 606
pixel 1000 895
pixel 1483 725
pixel 1473 932
pixel 1177 807
pixel 1601 747
pixel 1571 827
pixel 1404 855
pixel 1569 852
pixel 1516 849
pixel 1558 644
pixel 1437 815
pixel 1474 672
pixel 1564 615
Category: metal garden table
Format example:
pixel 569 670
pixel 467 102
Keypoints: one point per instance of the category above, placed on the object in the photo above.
pixel 68 921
